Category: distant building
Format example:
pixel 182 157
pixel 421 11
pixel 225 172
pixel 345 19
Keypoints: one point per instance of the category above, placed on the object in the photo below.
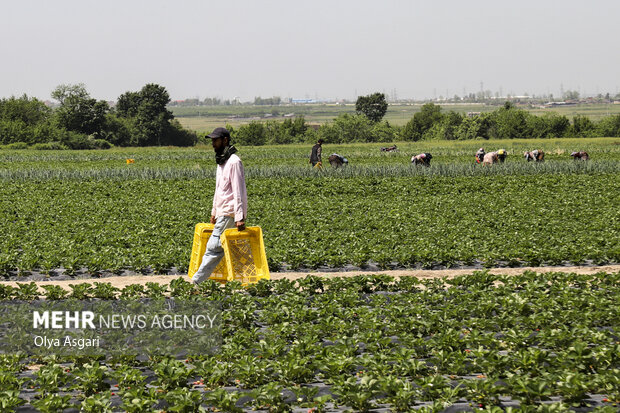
pixel 303 101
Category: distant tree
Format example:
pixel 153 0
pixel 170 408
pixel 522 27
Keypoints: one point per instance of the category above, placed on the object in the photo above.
pixel 383 132
pixel 476 127
pixel 509 123
pixel 78 112
pixel 372 106
pixel 347 128
pixel 128 104
pixel 549 125
pixel 446 128
pixel 609 126
pixel 582 127
pixel 421 122
pixel 149 120
pixel 276 100
pixel 571 95
pixel 252 134
pixel 77 91
pixel 30 111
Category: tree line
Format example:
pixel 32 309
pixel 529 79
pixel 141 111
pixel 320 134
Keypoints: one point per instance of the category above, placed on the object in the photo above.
pixel 80 122
pixel 430 123
pixel 141 118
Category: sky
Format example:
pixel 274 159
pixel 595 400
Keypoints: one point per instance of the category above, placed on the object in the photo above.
pixel 312 49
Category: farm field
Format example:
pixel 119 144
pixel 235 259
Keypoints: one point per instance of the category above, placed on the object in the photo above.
pixel 541 341
pixel 482 342
pixel 206 118
pixel 87 213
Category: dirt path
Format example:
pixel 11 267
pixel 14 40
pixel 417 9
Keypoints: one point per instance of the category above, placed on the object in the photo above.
pixel 121 282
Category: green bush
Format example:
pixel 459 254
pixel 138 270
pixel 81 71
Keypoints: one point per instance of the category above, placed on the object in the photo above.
pixel 16 145
pixel 48 146
pixel 101 144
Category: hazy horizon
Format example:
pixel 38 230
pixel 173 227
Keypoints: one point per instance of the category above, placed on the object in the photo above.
pixel 319 50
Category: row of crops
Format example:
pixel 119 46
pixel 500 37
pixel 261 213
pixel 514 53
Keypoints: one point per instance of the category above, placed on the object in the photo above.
pixel 88 212
pixel 530 343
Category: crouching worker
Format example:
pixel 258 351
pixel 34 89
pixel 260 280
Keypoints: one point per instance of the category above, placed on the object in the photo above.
pixel 501 155
pixel 230 202
pixel 480 155
pixel 580 156
pixel 337 161
pixel 423 159
pixel 392 148
pixel 490 158
pixel 535 155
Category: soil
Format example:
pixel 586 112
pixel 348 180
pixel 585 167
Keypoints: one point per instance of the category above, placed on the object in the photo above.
pixel 121 282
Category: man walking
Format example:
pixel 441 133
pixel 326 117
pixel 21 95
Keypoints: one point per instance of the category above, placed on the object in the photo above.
pixel 315 155
pixel 230 202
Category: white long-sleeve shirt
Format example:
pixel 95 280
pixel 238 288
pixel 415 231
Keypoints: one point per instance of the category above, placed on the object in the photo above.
pixel 231 198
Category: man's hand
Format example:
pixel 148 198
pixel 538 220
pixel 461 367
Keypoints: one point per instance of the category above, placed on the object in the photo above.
pixel 212 219
pixel 240 225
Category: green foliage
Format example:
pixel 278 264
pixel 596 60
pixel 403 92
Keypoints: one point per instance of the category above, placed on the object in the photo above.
pixel 447 128
pixel 28 111
pixel 184 400
pixel 609 126
pixel 252 134
pixel 90 378
pixel 372 106
pixel 97 403
pixel 78 112
pixel 52 403
pixel 131 208
pixel 10 400
pixel 288 131
pixel 582 127
pixel 347 128
pixel 416 128
pixel 370 341
pixel 509 123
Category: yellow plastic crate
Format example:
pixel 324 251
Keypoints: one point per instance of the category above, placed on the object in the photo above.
pixel 244 254
pixel 201 237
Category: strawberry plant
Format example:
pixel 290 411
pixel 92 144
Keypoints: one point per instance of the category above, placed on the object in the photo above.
pixel 81 291
pixel 52 403
pixel 400 394
pixel 137 400
pixel 97 403
pixel 27 292
pixel 6 292
pixel 269 397
pixel 155 290
pixel 224 400
pixel 128 377
pixel 90 378
pixel 183 400
pixel 104 291
pixel 10 400
pixel 54 292
pixel 180 287
pixel 171 374
pixel 50 378
pixel 360 395
pixel 133 291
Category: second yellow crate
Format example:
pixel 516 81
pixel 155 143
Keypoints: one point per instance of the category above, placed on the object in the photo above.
pixel 245 254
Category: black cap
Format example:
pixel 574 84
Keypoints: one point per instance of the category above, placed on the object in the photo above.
pixel 219 133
